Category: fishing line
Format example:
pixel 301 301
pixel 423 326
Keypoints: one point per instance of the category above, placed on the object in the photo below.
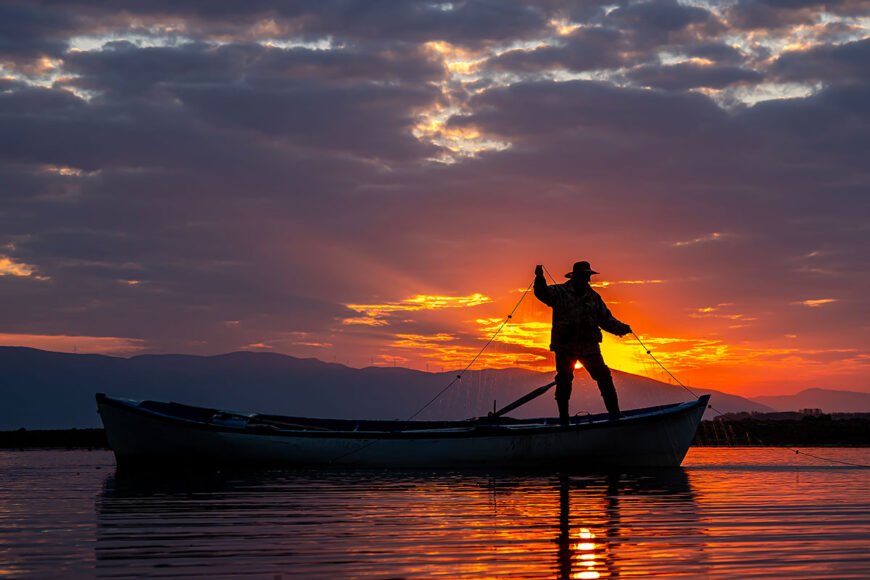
pixel 749 435
pixel 553 280
pixel 477 356
pixel 670 374
pixel 458 375
pixel 799 452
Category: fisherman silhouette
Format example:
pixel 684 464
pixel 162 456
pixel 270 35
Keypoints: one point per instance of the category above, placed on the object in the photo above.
pixel 579 314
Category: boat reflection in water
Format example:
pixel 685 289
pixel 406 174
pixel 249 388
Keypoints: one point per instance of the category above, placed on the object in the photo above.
pixel 374 523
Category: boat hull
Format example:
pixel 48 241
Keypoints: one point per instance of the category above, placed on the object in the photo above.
pixel 658 438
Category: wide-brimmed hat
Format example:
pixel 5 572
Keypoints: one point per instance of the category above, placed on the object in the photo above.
pixel 580 268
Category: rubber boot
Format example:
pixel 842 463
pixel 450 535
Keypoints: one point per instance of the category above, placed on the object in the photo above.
pixel 564 414
pixel 611 401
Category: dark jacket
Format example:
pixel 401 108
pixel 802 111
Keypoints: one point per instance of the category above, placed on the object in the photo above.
pixel 578 316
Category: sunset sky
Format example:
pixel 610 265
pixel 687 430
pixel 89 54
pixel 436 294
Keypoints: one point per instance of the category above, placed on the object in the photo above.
pixel 373 182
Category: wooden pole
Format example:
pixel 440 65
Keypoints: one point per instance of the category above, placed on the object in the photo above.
pixel 522 400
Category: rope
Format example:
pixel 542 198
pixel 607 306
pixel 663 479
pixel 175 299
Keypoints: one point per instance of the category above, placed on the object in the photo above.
pixel 748 434
pixel 797 451
pixel 670 374
pixel 553 280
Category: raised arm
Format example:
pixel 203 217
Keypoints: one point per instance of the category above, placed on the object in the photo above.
pixel 542 291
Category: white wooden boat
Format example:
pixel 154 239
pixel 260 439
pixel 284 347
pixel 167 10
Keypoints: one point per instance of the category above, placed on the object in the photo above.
pixel 155 433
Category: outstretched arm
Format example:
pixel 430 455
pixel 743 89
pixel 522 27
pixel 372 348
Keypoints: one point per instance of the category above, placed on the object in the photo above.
pixel 542 291
pixel 607 321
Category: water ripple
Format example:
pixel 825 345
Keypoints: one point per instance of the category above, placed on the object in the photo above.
pixel 748 513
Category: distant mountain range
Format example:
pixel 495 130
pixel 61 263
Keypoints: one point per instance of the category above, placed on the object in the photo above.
pixel 828 400
pixel 52 390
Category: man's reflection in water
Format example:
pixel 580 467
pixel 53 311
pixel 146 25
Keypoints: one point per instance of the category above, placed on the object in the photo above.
pixel 598 543
pixel 566 554
pixel 580 555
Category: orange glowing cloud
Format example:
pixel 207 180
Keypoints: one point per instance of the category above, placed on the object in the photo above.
pixel 815 303
pixel 450 351
pixel 10 267
pixel 456 59
pixel 564 27
pixel 721 311
pixel 607 283
pixel 711 237
pixel 529 334
pixel 64 170
pixel 377 314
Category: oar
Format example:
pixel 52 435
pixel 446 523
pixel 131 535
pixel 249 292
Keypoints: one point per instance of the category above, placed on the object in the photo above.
pixel 523 400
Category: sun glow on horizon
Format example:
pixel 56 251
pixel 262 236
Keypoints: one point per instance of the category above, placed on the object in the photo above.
pixel 707 346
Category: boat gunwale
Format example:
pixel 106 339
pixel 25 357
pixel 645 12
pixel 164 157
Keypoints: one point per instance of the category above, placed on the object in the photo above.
pixel 474 428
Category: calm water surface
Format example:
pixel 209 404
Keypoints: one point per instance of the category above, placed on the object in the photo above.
pixel 728 512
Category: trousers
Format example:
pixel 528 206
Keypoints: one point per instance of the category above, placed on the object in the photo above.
pixel 593 362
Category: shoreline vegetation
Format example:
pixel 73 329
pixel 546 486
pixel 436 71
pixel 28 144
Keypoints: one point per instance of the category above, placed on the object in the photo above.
pixel 731 430
pixel 808 428
pixel 54 439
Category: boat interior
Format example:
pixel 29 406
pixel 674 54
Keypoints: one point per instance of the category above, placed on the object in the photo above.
pixel 251 420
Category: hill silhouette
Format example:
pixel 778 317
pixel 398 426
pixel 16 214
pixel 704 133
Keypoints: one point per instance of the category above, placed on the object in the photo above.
pixel 53 390
pixel 828 400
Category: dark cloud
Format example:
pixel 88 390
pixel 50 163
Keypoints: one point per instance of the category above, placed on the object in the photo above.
pixel 463 22
pixel 20 99
pixel 716 52
pixel 824 136
pixel 363 103
pixel 30 30
pixel 844 63
pixel 690 75
pixel 667 16
pixel 755 14
pixel 469 22
pixel 160 123
pixel 630 34
pixel 369 121
pixel 776 14
pixel 654 24
pixel 125 69
pixel 586 49
pixel 584 108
